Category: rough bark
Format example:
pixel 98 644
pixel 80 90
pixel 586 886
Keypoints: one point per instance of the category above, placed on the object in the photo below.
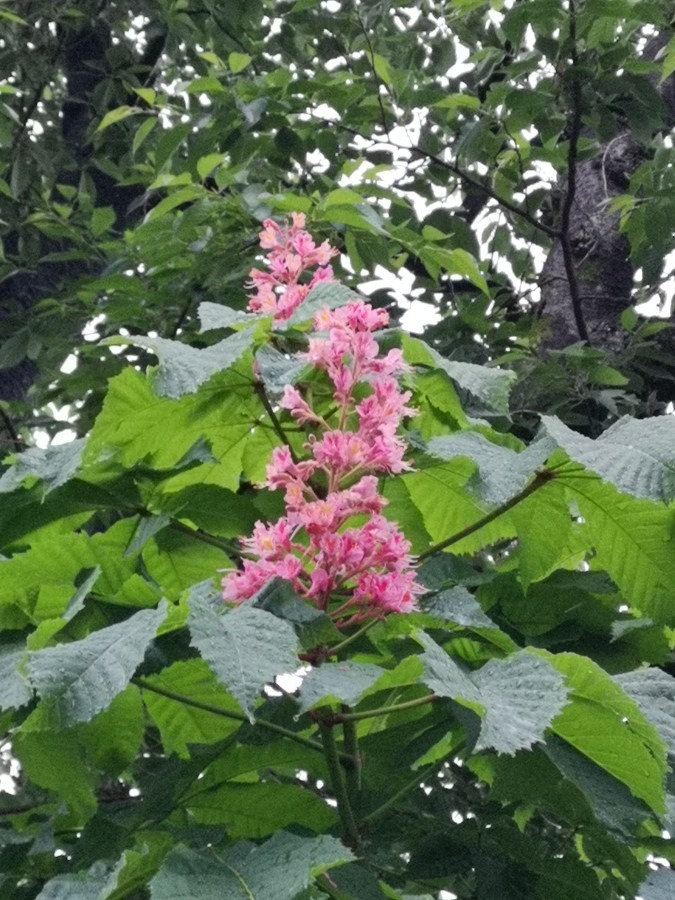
pixel 601 273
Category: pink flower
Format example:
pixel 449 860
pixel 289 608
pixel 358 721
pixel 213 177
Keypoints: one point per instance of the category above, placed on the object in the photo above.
pixel 332 544
pixel 292 254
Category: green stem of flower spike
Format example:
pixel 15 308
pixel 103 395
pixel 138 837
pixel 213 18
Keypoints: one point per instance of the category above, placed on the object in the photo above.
pixel 542 477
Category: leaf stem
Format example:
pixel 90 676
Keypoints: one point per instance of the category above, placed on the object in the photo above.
pixel 349 640
pixel 236 716
pixel 350 831
pixel 542 477
pixel 340 718
pixel 415 781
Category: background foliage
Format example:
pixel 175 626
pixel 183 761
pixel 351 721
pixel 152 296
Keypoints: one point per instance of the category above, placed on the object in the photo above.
pixel 512 164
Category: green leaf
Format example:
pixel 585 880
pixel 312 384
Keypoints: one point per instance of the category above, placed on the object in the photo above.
pixel 632 540
pixel 636 455
pixel 659 885
pixel 217 315
pixel 327 293
pixel 343 681
pixel 517 697
pixel 176 561
pixel 458 507
pixel 80 679
pixel 489 385
pixel 545 534
pixel 181 724
pixel 238 62
pixel 183 368
pixel 282 867
pixel 260 809
pixel 501 472
pixel 53 466
pixel 245 647
pixel 654 692
pixel 14 690
pixel 117 115
pixel 604 724
pixel 137 425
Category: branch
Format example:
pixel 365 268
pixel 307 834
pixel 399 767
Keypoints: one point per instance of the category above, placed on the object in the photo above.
pixel 143 683
pixel 575 131
pixel 468 179
pixel 14 438
pixel 337 780
pixel 542 477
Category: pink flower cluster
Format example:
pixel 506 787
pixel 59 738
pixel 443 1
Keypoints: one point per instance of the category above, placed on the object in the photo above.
pixel 292 252
pixel 333 544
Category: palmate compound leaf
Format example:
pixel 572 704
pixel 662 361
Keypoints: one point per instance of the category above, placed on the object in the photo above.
pixel 80 679
pixel 182 369
pixel 245 647
pixel 280 869
pixel 636 455
pixel 14 691
pixel 277 369
pixel 517 698
pixel 53 466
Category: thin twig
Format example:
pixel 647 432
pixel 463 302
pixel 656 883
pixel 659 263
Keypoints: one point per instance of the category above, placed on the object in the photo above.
pixel 464 176
pixel 572 150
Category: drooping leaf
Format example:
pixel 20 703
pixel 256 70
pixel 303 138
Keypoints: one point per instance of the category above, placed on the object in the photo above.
pixel 604 724
pixel 632 540
pixel 277 369
pixel 501 472
pixel 281 867
pixel 217 315
pixel 14 689
pixel 183 369
pixel 327 293
pixel 654 692
pixel 53 466
pixel 245 647
pixel 80 679
pixel 517 698
pixel 659 885
pixel 343 681
pixel 490 385
pixel 635 455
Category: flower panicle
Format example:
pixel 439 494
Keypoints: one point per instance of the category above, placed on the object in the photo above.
pixel 291 253
pixel 333 544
